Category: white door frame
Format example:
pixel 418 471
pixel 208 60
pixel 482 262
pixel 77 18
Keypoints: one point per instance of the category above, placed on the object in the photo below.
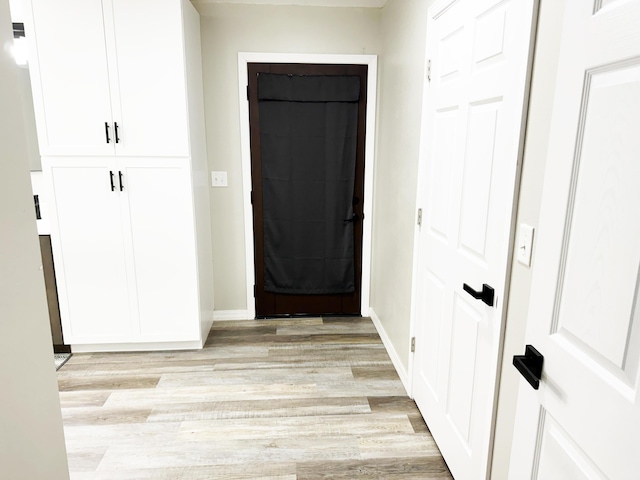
pixel 245 149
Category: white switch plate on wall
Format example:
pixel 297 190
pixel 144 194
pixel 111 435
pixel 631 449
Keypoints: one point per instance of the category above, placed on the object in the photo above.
pixel 525 244
pixel 218 179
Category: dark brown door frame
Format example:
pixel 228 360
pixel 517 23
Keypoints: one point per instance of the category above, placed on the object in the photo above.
pixel 270 304
pixel 244 58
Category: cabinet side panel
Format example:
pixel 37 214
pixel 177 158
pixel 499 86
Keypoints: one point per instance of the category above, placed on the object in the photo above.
pixel 199 161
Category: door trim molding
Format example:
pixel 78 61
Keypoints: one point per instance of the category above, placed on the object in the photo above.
pixel 245 151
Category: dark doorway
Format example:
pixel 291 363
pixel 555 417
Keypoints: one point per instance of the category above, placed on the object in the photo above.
pixel 307 126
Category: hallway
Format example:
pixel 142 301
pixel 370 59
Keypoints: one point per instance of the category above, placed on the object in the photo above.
pixel 281 399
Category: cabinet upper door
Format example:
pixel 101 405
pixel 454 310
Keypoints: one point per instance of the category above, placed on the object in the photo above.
pixel 151 111
pixel 70 77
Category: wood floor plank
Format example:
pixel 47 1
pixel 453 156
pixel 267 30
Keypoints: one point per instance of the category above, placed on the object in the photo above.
pixel 265 376
pixel 327 328
pixel 73 383
pixel 251 471
pixel 300 428
pixel 83 398
pixel 284 399
pixel 288 407
pixel 91 416
pixel 419 468
pixel 336 338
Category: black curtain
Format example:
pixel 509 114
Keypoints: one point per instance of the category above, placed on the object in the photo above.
pixel 308 130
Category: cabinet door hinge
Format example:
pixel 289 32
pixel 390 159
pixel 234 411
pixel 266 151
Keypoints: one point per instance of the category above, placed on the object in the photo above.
pixel 254 291
pixel 429 69
pixel 413 344
pixel 247 92
pixel 419 217
pixel 251 197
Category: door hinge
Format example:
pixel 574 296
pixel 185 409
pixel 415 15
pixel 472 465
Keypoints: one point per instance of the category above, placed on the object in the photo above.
pixel 254 291
pixel 413 344
pixel 251 197
pixel 419 217
pixel 247 92
pixel 429 69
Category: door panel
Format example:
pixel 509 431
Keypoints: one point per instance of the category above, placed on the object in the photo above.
pixel 87 238
pixel 474 104
pixel 150 82
pixel 163 249
pixel 273 304
pixel 584 301
pixel 73 84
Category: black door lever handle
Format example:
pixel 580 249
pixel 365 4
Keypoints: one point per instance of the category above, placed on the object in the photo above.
pixel 354 218
pixel 487 294
pixel 530 365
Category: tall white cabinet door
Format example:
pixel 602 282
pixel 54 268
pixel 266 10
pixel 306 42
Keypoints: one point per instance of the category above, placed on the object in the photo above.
pixel 151 113
pixel 71 85
pixel 89 255
pixel 163 253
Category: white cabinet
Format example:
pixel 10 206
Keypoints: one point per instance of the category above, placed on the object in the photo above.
pixel 125 234
pixel 110 77
pixel 129 216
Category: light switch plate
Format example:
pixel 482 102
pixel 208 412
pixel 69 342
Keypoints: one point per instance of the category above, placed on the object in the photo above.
pixel 525 244
pixel 218 179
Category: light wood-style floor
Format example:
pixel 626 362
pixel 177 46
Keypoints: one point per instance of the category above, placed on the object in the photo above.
pixel 294 399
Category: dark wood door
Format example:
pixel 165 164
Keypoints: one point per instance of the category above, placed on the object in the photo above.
pixel 270 303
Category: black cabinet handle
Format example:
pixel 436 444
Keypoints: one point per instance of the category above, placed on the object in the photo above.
pixel 106 131
pixel 115 127
pixel 487 294
pixel 121 182
pixel 530 365
pixel 113 186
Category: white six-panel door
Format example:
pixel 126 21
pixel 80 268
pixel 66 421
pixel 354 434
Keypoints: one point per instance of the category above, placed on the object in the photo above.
pixel 474 105
pixel 584 421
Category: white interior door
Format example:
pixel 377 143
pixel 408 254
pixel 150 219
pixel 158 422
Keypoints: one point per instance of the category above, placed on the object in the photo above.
pixel 584 421
pixel 474 107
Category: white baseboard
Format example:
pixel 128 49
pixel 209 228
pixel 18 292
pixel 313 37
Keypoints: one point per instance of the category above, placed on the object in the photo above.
pixel 223 315
pixel 393 354
pixel 135 347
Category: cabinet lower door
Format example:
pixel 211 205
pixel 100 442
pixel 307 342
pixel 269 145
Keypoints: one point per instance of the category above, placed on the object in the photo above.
pixel 162 249
pixel 89 255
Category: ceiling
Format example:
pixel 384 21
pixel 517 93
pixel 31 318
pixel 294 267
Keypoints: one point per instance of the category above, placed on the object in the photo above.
pixel 306 3
pixel 17 14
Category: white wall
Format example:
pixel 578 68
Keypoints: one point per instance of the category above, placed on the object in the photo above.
pixel 227 30
pixel 31 437
pixel 24 88
pixel 533 169
pixel 401 80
